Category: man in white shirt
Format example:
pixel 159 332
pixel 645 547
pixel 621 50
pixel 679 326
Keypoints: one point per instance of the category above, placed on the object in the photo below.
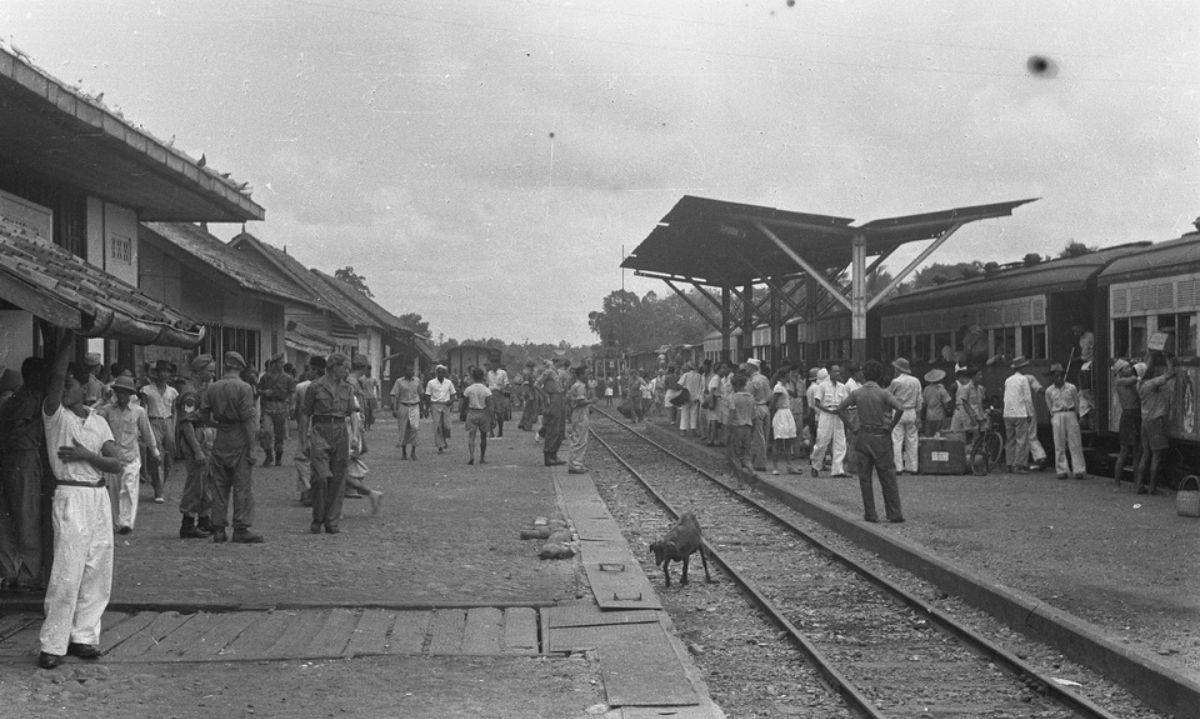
pixel 827 398
pixel 81 451
pixel 907 389
pixel 1018 414
pixel 129 427
pixel 160 409
pixel 497 382
pixel 441 393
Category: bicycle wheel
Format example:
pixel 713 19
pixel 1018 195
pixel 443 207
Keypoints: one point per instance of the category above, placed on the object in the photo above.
pixel 993 447
pixel 978 460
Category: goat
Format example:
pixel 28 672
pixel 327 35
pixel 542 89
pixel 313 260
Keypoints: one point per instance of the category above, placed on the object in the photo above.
pixel 679 544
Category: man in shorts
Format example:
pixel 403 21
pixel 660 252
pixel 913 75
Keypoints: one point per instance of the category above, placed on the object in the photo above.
pixel 478 400
pixel 1125 384
pixel 1156 391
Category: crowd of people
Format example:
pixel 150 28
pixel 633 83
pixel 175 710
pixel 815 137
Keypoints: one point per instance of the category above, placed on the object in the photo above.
pixel 67 431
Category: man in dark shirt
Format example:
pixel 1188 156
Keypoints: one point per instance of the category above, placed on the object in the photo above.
pixel 275 388
pixel 1129 433
pixel 231 403
pixel 21 440
pixel 554 419
pixel 878 413
pixel 325 440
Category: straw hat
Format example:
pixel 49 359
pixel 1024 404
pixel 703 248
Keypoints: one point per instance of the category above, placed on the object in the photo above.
pixel 1018 362
pixel 935 375
pixel 901 365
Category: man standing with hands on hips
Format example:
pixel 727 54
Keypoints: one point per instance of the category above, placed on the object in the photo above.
pixel 81 450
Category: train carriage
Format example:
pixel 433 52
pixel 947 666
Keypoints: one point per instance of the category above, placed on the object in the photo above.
pixel 1046 312
pixel 1157 290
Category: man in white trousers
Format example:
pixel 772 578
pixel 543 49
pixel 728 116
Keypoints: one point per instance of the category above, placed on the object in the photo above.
pixel 81 450
pixel 129 424
pixel 907 389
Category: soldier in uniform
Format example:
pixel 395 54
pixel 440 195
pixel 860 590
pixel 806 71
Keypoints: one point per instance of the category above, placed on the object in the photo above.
pixel 325 440
pixel 196 435
pixel 555 416
pixel 231 401
pixel 275 388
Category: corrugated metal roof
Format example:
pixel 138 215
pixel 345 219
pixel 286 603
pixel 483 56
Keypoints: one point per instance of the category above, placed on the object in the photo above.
pixel 210 250
pixel 66 291
pixel 1175 256
pixel 723 244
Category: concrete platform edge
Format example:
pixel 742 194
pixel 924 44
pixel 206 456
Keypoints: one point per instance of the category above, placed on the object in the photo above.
pixel 1160 687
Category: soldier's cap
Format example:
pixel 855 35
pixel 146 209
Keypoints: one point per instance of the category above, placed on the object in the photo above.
pixel 1057 368
pixel 203 361
pixel 360 360
pixel 235 359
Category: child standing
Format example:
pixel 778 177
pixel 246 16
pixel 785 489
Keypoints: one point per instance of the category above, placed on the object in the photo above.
pixel 741 425
pixel 783 424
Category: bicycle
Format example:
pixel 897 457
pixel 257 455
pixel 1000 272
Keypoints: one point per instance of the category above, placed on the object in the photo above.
pixel 986 450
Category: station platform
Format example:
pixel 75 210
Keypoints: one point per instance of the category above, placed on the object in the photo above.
pixel 438 590
pixel 1105 575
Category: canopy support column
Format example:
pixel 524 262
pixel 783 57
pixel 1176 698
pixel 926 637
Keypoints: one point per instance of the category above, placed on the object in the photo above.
pixel 726 325
pixel 858 298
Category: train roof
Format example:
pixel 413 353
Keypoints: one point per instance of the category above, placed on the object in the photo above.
pixel 1164 258
pixel 1062 275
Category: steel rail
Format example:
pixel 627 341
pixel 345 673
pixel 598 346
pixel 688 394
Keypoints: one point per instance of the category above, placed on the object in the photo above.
pixel 1014 664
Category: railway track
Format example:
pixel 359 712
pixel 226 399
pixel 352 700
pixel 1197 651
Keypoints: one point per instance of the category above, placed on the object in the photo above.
pixel 884 650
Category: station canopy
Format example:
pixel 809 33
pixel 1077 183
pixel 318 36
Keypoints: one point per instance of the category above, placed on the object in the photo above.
pixel 728 244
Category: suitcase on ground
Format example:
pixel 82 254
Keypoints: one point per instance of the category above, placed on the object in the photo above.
pixel 940 455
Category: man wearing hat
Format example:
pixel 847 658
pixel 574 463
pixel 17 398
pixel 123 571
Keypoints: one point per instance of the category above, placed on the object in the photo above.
pixel 906 389
pixel 160 407
pixel 937 402
pixel 554 417
pixel 195 439
pixel 275 389
pixel 1018 415
pixel 968 415
pixel 1063 400
pixel 129 425
pixel 315 371
pixel 1125 385
pixel 325 439
pixel 231 402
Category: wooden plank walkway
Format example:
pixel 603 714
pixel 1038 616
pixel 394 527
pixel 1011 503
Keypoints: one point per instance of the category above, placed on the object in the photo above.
pixel 153 637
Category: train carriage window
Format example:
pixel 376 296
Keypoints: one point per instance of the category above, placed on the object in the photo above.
pixel 1183 328
pixel 943 345
pixel 1120 338
pixel 1033 341
pixel 1137 336
pixel 1006 342
pixel 904 347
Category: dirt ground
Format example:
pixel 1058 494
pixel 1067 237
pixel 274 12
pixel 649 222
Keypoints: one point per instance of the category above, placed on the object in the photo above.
pixel 447 533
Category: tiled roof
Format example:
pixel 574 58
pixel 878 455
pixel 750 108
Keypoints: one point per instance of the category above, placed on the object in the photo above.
pixel 210 250
pixel 384 318
pixel 320 290
pixel 66 291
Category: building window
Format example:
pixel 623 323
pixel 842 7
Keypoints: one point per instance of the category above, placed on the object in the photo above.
pixel 120 249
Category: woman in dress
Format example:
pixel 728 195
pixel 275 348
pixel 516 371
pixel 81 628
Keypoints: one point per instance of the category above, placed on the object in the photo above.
pixel 783 423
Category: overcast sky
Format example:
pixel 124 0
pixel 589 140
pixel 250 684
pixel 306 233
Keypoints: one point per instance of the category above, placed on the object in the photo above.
pixel 484 163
